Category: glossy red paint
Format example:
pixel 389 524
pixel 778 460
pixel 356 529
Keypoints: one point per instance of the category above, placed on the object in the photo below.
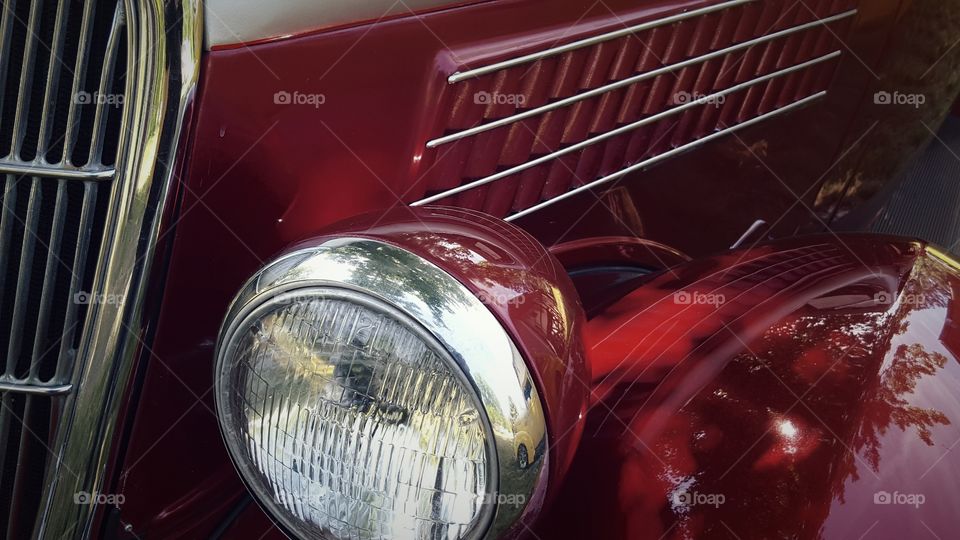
pixel 309 31
pixel 263 175
pixel 806 389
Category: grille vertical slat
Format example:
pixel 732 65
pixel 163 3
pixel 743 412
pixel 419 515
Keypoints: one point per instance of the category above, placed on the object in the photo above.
pixel 79 262
pixel 19 11
pixel 105 88
pixel 26 79
pixel 53 267
pixel 79 74
pixel 12 426
pixel 6 225
pixel 54 67
pixel 6 33
pixel 42 40
pixel 23 279
pixel 15 522
pixel 32 456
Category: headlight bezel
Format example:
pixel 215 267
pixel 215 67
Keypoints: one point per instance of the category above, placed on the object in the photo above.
pixel 482 353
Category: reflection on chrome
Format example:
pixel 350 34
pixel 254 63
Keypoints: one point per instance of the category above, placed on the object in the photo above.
pixel 436 308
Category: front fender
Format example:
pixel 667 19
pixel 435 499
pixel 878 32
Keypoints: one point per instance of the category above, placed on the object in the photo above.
pixel 805 389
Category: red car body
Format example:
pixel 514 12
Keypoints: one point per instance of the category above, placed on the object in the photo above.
pixel 827 377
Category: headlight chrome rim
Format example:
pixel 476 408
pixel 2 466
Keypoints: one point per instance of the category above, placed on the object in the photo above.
pixel 482 355
pixel 291 294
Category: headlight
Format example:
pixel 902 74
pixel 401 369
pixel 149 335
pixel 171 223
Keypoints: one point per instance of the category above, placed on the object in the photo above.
pixel 364 393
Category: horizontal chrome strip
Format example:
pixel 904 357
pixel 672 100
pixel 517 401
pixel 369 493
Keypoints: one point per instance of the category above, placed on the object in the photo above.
pixel 666 155
pixel 457 77
pixel 35 389
pixel 623 129
pixel 635 79
pixel 54 171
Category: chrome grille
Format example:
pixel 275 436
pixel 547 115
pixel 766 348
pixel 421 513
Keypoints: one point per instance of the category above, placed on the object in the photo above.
pixel 62 75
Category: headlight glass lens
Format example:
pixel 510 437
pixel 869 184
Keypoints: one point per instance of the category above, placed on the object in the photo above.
pixel 349 421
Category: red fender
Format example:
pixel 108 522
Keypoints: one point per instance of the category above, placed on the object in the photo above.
pixel 804 389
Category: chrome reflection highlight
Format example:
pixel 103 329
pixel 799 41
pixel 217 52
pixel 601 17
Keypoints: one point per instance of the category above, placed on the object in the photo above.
pixel 364 392
pixel 354 419
pixel 163 42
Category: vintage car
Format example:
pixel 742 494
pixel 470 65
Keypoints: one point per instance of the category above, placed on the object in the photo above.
pixel 463 269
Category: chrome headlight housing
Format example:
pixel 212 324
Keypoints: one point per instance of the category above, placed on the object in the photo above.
pixel 363 392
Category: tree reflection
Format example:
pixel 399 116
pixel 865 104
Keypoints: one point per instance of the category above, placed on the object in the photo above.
pixel 888 406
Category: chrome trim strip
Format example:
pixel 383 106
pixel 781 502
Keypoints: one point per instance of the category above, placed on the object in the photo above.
pixel 46 170
pixel 635 79
pixel 163 69
pixel 666 155
pixel 448 311
pixel 457 77
pixel 622 129
pixel 943 257
pixel 35 389
pixel 751 230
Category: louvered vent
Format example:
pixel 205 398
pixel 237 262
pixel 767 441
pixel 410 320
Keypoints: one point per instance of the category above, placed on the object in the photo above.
pixel 523 133
pixel 62 65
